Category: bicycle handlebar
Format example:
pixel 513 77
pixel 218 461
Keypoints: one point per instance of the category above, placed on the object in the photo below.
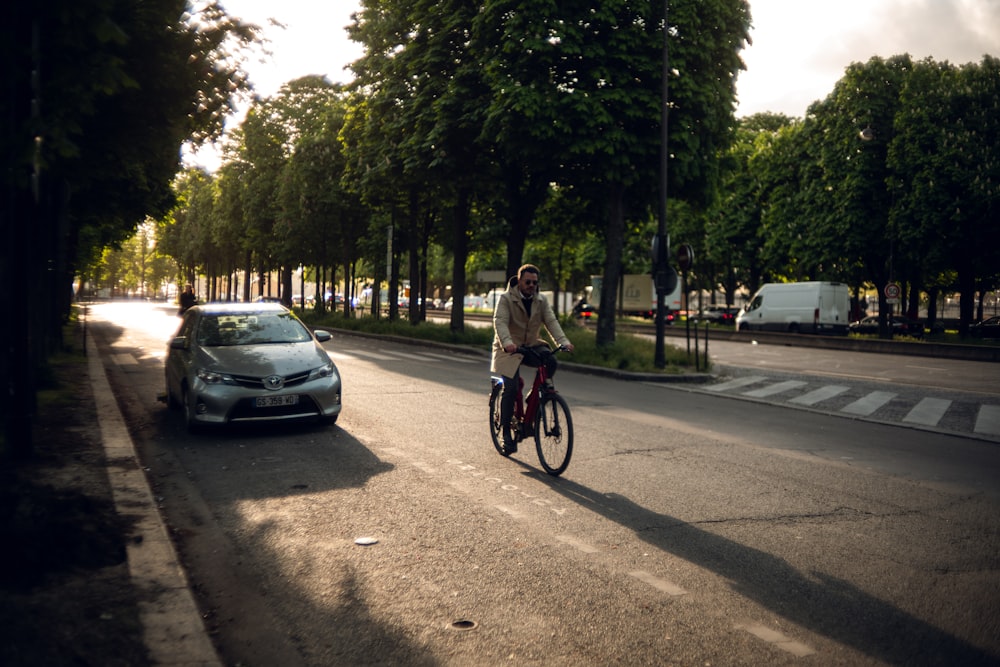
pixel 524 349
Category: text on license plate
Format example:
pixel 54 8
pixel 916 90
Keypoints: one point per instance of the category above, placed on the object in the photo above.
pixel 276 401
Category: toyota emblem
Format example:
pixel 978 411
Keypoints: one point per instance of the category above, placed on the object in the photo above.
pixel 274 382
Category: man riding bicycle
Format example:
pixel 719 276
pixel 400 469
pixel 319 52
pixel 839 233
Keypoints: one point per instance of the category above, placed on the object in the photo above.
pixel 517 320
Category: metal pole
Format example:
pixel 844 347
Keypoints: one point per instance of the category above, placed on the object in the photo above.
pixel 660 360
pixel 697 354
pixel 706 346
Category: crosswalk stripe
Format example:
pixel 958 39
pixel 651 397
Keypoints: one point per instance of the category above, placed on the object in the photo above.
pixel 374 355
pixel 869 403
pixel 928 411
pixel 458 358
pixel 776 388
pixel 817 395
pixel 391 356
pixel 988 421
pixel 737 383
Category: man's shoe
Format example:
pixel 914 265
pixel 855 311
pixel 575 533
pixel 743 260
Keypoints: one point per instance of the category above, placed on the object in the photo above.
pixel 509 444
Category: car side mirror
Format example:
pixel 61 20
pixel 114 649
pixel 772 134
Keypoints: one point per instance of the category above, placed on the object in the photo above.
pixel 179 343
pixel 322 336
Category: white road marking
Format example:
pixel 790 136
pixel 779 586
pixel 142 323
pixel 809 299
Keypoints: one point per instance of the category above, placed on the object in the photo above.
pixel 988 420
pixel 513 514
pixel 868 404
pixel 124 359
pixel 779 640
pixel 374 355
pixel 737 383
pixel 578 544
pixel 777 388
pixel 659 584
pixel 458 358
pixel 928 411
pixel 818 395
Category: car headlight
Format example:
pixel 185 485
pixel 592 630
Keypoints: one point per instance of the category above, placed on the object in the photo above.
pixel 321 372
pixel 213 377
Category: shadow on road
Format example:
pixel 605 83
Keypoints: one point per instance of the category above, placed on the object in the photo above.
pixel 826 605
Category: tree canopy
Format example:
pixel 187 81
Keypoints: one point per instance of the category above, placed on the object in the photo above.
pixel 98 98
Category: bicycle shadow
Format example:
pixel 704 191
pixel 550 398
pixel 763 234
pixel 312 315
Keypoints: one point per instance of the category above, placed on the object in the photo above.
pixel 824 604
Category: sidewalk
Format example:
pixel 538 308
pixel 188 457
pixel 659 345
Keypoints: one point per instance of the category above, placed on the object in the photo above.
pixel 172 625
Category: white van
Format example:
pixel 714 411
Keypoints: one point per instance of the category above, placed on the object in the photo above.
pixel 809 307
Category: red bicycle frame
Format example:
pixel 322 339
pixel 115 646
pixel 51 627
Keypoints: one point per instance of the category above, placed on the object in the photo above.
pixel 524 413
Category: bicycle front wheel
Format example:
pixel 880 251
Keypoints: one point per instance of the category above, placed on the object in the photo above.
pixel 553 434
pixel 496 427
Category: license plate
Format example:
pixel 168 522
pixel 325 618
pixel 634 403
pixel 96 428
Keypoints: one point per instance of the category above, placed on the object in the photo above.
pixel 275 401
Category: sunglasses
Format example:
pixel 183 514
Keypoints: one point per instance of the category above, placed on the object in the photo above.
pixel 530 282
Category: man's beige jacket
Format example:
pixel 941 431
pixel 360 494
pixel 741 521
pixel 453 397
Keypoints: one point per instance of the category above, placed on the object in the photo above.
pixel 511 324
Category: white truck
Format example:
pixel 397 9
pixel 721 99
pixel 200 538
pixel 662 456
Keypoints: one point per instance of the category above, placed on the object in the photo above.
pixel 807 307
pixel 638 295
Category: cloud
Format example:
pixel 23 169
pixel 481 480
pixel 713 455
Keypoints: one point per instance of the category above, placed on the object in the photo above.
pixel 957 31
pixel 801 49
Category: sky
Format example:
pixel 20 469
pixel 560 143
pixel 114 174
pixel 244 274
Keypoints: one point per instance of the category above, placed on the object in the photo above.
pixel 800 47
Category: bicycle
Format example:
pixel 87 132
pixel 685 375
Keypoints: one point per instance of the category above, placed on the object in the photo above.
pixel 544 415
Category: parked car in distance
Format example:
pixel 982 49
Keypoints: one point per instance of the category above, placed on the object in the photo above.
pixel 988 328
pixel 267 299
pixel 249 362
pixel 901 326
pixel 719 314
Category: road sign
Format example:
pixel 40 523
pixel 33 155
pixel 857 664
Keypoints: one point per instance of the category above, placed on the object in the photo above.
pixel 892 291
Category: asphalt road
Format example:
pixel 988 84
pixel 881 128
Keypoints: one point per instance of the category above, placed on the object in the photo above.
pixel 689 529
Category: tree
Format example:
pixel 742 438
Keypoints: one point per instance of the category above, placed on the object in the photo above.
pixel 945 157
pixel 734 228
pixel 849 201
pixel 98 98
pixel 577 98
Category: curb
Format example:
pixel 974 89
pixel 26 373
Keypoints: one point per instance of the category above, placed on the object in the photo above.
pixel 173 630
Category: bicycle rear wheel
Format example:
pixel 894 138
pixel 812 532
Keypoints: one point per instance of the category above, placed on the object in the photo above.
pixel 496 428
pixel 553 433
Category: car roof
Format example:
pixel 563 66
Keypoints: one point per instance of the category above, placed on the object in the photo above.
pixel 238 307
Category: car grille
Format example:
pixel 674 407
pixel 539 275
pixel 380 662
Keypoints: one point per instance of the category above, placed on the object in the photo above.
pixel 253 382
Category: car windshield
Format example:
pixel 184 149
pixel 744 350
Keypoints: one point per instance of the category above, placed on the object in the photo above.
pixel 250 329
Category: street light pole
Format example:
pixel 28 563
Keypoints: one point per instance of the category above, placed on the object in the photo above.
pixel 661 253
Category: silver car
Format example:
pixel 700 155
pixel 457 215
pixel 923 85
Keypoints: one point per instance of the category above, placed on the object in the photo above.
pixel 247 362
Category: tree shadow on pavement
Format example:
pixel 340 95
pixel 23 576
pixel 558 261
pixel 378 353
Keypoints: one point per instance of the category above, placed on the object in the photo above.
pixel 826 605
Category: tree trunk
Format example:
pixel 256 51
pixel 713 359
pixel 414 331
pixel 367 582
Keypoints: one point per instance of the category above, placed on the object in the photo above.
pixel 460 251
pixel 967 299
pixel 615 239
